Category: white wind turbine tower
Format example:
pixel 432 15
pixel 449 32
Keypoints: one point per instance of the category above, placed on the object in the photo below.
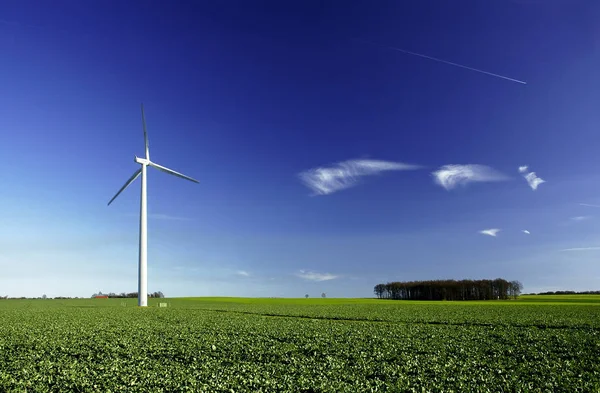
pixel 143 262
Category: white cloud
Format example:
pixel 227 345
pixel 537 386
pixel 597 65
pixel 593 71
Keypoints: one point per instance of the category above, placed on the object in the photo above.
pixel 581 249
pixel 490 232
pixel 531 177
pixel 346 174
pixel 525 231
pixel 242 273
pixel 450 176
pixel 580 218
pixel 314 276
pixel 533 180
pixel 589 204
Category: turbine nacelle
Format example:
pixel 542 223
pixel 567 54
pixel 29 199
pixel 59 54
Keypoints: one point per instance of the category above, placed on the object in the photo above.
pixel 142 161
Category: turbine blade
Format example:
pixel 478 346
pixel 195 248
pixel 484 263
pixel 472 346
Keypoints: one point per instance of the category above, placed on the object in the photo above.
pixel 172 172
pixel 129 181
pixel 145 134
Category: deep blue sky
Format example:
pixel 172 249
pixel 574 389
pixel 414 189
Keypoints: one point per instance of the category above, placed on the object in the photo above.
pixel 245 96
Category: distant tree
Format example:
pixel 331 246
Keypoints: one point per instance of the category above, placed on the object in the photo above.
pixel 566 293
pixel 306 296
pixel 157 294
pixel 98 294
pixel 515 288
pixel 323 295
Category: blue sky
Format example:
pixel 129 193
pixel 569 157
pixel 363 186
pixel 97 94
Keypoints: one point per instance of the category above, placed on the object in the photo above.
pixel 247 96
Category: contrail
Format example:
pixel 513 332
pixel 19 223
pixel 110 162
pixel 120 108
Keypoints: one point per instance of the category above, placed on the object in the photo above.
pixel 448 62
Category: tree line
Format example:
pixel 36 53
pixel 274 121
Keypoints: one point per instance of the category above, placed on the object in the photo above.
pixel 157 294
pixel 449 290
pixel 569 293
pixel 38 297
pixel 111 295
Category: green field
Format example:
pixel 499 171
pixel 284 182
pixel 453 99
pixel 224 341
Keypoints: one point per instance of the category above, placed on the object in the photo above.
pixel 533 344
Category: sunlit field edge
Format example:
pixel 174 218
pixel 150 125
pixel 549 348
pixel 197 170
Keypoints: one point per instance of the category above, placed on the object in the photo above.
pixel 174 301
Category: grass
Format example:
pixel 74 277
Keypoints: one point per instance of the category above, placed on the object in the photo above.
pixel 535 343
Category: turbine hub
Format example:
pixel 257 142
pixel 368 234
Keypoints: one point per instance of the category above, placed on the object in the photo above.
pixel 142 161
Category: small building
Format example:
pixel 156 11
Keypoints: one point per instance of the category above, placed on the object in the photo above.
pixel 101 297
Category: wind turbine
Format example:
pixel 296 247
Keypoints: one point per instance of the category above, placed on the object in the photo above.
pixel 143 262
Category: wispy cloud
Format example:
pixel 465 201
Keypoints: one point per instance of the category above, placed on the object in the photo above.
pixel 580 218
pixel 589 204
pixel 314 276
pixel 450 176
pixel 346 174
pixel 525 231
pixel 242 273
pixel 581 249
pixel 490 232
pixel 531 177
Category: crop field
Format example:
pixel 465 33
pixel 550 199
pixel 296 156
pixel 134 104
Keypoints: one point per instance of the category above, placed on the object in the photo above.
pixel 533 344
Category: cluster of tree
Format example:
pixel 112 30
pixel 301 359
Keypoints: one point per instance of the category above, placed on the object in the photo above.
pixel 158 294
pixel 449 290
pixel 570 293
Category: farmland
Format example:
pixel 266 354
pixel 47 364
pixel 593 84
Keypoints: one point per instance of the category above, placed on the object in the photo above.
pixel 535 343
